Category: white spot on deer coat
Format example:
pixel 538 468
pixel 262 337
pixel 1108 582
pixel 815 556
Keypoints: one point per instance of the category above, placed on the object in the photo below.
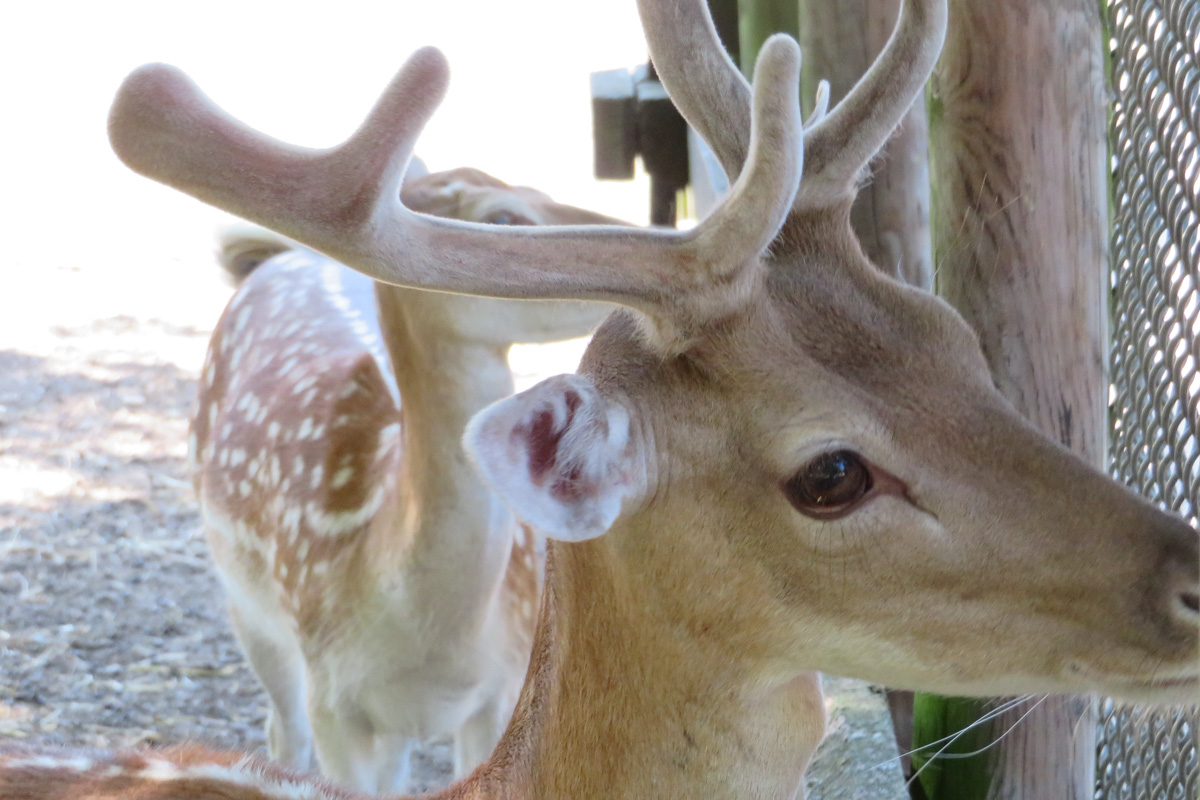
pixel 242 317
pixel 158 770
pixel 304 384
pixel 389 437
pixel 337 523
pixel 342 477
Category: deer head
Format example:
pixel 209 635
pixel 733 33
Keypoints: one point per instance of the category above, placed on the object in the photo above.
pixel 775 455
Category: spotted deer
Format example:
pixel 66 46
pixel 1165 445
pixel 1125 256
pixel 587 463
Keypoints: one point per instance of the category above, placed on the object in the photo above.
pixel 774 459
pixel 380 590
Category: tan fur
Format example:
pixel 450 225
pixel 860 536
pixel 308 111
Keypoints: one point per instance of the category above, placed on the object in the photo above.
pixel 169 774
pixel 360 550
pixel 676 645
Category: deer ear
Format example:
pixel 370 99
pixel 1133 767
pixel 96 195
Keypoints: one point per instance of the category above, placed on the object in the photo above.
pixel 559 455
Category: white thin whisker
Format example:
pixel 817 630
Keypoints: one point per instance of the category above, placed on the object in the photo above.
pixel 987 717
pixel 935 757
pixel 999 738
pixel 941 753
pixel 1085 717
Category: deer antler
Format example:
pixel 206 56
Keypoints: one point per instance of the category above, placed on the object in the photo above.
pixel 715 99
pixel 345 201
pixel 859 126
pixel 705 85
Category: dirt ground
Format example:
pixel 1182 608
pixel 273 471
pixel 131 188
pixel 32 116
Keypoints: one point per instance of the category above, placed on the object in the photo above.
pixel 113 631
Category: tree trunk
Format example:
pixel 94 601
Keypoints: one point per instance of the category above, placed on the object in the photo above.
pixel 757 20
pixel 1018 121
pixel 891 215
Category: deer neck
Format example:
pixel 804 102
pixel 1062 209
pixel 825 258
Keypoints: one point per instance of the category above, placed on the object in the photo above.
pixel 626 699
pixel 455 523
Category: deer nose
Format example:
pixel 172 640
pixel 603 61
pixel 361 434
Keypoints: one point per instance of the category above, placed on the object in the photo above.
pixel 1182 577
pixel 1186 602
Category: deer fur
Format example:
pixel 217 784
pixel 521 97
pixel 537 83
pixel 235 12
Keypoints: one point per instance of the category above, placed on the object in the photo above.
pixel 705 563
pixel 381 592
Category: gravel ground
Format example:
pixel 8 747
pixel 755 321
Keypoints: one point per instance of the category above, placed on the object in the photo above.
pixel 112 629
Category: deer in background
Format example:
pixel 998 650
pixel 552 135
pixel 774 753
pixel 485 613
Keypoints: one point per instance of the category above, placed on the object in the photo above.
pixel 775 459
pixel 381 592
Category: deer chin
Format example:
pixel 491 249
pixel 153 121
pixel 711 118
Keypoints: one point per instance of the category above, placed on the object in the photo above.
pixel 927 666
pixel 1176 689
pixel 1166 691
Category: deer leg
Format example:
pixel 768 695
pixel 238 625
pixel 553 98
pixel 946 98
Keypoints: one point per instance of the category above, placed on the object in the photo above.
pixel 281 670
pixel 477 738
pixel 393 763
pixel 345 742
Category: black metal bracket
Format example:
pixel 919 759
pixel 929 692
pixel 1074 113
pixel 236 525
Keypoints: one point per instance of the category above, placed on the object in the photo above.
pixel 632 116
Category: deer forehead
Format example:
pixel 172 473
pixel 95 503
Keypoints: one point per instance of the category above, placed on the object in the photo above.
pixel 824 350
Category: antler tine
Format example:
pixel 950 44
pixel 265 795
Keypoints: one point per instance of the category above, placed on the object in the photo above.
pixel 705 85
pixel 164 127
pixel 345 201
pixel 664 273
pixel 775 160
pixel 840 145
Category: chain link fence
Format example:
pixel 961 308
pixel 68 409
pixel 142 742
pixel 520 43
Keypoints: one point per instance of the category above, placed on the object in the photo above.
pixel 1147 755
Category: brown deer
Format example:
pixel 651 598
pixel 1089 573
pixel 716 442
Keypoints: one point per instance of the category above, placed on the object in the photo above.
pixel 774 460
pixel 374 580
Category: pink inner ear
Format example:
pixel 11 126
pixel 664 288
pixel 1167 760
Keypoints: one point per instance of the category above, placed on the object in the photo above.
pixel 543 441
pixel 568 488
pixel 543 445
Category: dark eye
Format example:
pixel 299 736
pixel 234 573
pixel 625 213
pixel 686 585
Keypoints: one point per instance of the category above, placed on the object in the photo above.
pixel 507 218
pixel 829 485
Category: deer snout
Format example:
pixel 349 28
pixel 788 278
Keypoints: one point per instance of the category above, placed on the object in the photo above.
pixel 1183 595
pixel 1179 590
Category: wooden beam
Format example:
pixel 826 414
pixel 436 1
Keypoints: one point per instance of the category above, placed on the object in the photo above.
pixel 891 215
pixel 1018 135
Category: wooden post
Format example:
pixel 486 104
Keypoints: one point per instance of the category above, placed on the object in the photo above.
pixel 757 20
pixel 840 41
pixel 1019 170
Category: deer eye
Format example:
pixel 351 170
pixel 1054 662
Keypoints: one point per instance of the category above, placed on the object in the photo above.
pixel 830 485
pixel 507 218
